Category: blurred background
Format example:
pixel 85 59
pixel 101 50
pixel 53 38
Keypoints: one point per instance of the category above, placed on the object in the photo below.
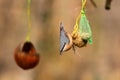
pixel 99 61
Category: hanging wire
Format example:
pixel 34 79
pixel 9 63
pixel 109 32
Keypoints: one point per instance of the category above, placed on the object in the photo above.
pixel 28 20
pixel 78 18
pixel 83 4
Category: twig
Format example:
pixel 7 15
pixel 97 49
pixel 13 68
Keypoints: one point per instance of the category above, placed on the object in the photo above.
pixel 93 3
pixel 108 4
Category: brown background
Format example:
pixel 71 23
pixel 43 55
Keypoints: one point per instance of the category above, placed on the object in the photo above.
pixel 99 61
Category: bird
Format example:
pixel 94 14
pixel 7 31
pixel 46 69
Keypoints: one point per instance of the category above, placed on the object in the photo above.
pixel 65 39
pixel 26 56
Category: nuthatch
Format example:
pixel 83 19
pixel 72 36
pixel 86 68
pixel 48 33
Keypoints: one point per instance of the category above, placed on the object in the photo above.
pixel 65 40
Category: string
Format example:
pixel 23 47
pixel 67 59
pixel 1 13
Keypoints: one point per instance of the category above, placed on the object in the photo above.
pixel 76 25
pixel 28 20
pixel 83 4
pixel 78 18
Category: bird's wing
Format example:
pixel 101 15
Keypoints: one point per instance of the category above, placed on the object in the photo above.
pixel 63 38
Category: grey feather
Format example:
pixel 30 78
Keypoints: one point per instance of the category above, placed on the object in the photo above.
pixel 63 38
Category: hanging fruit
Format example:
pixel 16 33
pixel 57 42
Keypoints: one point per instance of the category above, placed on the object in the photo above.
pixel 78 41
pixel 82 32
pixel 26 56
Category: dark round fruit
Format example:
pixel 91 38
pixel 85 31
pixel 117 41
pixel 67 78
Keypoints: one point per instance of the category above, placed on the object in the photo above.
pixel 25 56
